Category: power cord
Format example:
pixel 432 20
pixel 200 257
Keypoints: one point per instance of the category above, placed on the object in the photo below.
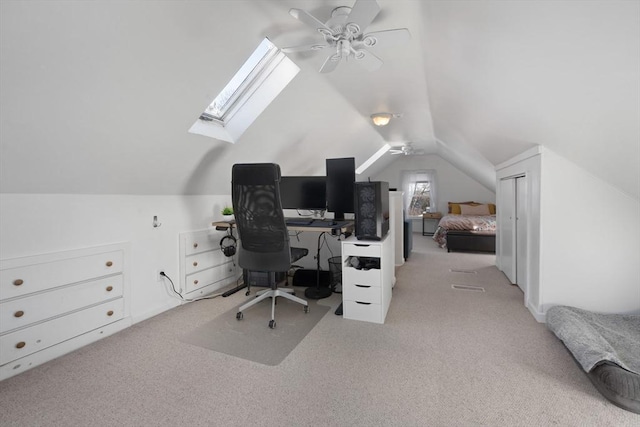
pixel 179 296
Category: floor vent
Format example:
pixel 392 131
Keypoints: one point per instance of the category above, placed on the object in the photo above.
pixel 468 288
pixel 453 270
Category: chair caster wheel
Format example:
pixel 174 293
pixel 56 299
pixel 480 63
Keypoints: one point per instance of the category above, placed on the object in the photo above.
pixel 272 324
pixel 239 315
pixel 306 308
pixel 247 293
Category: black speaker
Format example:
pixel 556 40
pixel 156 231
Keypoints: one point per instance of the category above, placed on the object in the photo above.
pixel 228 245
pixel 371 202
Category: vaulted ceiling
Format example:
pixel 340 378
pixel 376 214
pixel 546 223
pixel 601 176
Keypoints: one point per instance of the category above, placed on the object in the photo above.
pixel 97 97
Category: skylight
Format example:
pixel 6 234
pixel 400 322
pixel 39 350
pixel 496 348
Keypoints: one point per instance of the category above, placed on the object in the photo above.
pixel 260 79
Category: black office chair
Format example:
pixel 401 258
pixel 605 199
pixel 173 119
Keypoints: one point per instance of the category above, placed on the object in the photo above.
pixel 263 236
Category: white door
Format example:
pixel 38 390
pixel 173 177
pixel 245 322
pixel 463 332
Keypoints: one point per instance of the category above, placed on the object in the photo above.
pixel 507 228
pixel 521 233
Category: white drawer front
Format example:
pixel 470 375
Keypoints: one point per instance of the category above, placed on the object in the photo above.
pixel 203 278
pixel 370 277
pixel 19 281
pixel 201 242
pixel 364 312
pixel 18 313
pixel 361 249
pixel 362 293
pixel 40 336
pixel 199 262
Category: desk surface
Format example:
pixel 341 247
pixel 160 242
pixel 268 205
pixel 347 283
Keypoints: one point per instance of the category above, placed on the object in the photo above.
pixel 343 226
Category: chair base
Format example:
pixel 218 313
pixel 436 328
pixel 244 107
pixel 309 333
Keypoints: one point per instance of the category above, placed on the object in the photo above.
pixel 273 294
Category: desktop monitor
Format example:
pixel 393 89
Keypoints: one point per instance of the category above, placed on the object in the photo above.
pixel 303 192
pixel 341 177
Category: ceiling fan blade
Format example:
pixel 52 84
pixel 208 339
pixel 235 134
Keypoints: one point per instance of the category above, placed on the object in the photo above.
pixel 368 60
pixel 330 63
pixel 309 19
pixel 386 38
pixel 303 48
pixel 363 13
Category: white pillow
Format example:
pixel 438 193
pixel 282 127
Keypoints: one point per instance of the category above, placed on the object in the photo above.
pixel 474 210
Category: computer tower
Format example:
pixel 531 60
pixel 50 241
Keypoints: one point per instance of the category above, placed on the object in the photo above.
pixel 371 202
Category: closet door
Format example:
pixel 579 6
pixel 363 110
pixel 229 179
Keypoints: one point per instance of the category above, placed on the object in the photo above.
pixel 507 228
pixel 521 233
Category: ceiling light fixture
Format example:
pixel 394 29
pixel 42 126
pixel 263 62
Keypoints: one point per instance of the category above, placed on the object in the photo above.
pixel 381 119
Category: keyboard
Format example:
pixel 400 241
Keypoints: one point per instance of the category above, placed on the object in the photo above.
pixel 298 221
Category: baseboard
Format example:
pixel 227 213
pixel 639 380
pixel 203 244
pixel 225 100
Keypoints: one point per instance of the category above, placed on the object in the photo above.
pixel 540 317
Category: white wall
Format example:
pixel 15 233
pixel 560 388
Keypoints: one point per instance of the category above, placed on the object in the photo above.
pixel 583 237
pixel 590 240
pixel 41 223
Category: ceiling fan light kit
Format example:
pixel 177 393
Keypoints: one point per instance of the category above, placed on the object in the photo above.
pixel 344 33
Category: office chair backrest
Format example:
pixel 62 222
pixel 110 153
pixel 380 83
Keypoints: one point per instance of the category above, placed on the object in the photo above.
pixel 264 239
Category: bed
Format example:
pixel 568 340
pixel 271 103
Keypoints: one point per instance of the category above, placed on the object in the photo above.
pixel 607 348
pixel 468 226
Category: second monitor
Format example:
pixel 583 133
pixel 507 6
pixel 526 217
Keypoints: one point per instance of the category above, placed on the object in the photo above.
pixel 303 192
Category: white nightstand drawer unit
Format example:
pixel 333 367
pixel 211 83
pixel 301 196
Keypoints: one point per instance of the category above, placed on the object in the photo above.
pixel 366 279
pixel 21 312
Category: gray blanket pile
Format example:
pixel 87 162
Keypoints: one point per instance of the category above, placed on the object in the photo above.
pixel 593 338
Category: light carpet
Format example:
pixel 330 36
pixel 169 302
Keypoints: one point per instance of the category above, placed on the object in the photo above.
pixel 251 338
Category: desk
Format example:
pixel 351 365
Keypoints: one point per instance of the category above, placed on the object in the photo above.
pixel 342 227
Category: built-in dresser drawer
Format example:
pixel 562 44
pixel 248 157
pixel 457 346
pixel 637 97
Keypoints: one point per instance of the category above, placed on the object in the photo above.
pixel 207 277
pixel 201 242
pixel 20 281
pixel 40 336
pixel 21 312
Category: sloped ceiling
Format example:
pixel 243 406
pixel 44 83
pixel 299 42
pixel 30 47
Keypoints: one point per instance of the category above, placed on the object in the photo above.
pixel 97 97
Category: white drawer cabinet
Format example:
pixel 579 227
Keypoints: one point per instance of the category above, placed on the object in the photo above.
pixel 366 290
pixel 55 303
pixel 203 266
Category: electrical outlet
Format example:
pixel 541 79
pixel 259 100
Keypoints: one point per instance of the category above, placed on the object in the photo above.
pixel 159 278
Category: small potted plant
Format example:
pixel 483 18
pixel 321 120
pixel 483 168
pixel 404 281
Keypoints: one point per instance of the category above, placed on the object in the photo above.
pixel 227 213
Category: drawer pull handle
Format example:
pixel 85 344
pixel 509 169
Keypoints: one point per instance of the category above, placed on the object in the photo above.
pixel 110 313
pixel 109 288
pixel 18 313
pixel 195 282
pixel 363 286
pixel 195 263
pixel 195 245
pixel 362 245
pixel 18 282
pixel 109 263
pixel 363 303
pixel 21 344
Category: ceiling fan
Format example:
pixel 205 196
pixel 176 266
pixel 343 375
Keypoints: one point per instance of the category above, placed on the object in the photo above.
pixel 344 33
pixel 406 149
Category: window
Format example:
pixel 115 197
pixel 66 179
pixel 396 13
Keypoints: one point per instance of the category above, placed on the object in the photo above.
pixel 419 192
pixel 420 199
pixel 260 79
pixel 241 82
